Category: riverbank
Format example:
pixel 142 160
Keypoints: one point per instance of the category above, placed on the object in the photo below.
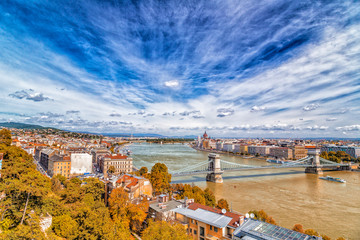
pixel 227 153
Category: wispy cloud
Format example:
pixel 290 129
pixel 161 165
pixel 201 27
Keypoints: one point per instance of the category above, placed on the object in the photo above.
pixel 224 112
pixel 153 62
pixel 29 94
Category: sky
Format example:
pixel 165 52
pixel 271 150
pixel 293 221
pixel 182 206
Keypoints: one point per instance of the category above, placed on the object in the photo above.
pixel 272 68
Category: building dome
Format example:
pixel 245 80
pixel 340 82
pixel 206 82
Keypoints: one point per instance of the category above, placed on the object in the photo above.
pixel 205 135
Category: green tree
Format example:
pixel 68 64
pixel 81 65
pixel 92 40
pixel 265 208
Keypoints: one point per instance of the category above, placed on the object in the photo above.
pixel 161 230
pixel 160 178
pixel 223 204
pixel 5 137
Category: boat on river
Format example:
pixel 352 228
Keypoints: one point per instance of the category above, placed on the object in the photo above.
pixel 334 179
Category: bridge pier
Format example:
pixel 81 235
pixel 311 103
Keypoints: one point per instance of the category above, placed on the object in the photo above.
pixel 316 168
pixel 214 166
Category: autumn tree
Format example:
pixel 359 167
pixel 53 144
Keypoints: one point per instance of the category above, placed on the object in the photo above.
pixel 161 230
pixel 324 155
pixel 111 169
pixel 298 228
pixel 311 232
pixel 325 237
pixel 160 178
pixel 126 213
pixel 223 204
pixel 143 171
pixel 263 216
pixel 209 198
pixel 5 137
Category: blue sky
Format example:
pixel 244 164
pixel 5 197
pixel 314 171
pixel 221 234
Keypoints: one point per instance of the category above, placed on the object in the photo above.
pixel 236 68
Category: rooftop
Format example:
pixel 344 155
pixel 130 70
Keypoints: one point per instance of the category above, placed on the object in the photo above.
pixel 255 229
pixel 170 205
pixel 208 217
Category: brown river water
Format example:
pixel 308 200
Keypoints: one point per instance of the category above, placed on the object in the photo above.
pixel 289 195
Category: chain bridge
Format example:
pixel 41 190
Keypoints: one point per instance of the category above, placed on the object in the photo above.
pixel 214 167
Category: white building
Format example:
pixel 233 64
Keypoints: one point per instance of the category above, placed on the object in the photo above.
pixel 81 163
pixel 228 147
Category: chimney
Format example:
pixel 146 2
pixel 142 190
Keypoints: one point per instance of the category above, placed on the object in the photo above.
pixel 241 220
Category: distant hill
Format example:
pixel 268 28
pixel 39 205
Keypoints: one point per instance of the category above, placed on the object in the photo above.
pixel 133 135
pixel 21 125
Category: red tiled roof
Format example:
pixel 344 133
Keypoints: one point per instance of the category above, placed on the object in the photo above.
pixel 235 217
pixel 126 177
pixel 117 156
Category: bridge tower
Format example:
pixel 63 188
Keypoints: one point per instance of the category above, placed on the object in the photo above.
pixel 214 166
pixel 315 161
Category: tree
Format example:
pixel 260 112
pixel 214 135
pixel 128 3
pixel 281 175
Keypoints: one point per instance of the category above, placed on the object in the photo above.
pixel 298 228
pixel 161 230
pixel 223 204
pixel 65 226
pixel 324 155
pixel 160 178
pixel 118 203
pixel 311 232
pixel 5 137
pixel 143 171
pixel 263 216
pixel 340 238
pixel 111 169
pixel 209 198
pixel 126 213
pixel 324 237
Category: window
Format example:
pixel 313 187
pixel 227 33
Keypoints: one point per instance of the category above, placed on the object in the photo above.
pixel 190 230
pixel 210 227
pixel 202 231
pixel 202 238
pixel 195 232
pixel 215 229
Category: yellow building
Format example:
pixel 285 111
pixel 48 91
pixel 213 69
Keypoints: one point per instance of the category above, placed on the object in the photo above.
pixel 299 152
pixel 59 164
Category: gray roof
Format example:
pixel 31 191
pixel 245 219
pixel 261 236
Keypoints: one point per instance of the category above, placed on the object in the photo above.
pixel 255 229
pixel 211 218
pixel 170 205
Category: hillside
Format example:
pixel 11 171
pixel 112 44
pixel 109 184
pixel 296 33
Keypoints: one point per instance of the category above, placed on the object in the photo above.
pixel 21 125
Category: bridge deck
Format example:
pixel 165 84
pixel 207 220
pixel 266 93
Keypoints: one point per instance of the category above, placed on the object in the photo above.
pixel 200 172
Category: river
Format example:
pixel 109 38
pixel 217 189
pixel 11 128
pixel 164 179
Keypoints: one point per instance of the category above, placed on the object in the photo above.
pixel 289 195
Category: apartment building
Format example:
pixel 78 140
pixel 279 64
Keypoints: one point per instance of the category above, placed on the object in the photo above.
pixel 281 152
pixel 135 186
pixel 260 150
pixel 45 155
pixel 59 164
pixel 203 222
pixel 240 148
pixel 299 152
pixel 121 163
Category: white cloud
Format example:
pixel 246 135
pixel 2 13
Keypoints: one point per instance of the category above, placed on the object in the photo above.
pixel 257 108
pixel 172 83
pixel 310 107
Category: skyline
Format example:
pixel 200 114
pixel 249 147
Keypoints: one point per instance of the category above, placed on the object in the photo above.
pixel 272 69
